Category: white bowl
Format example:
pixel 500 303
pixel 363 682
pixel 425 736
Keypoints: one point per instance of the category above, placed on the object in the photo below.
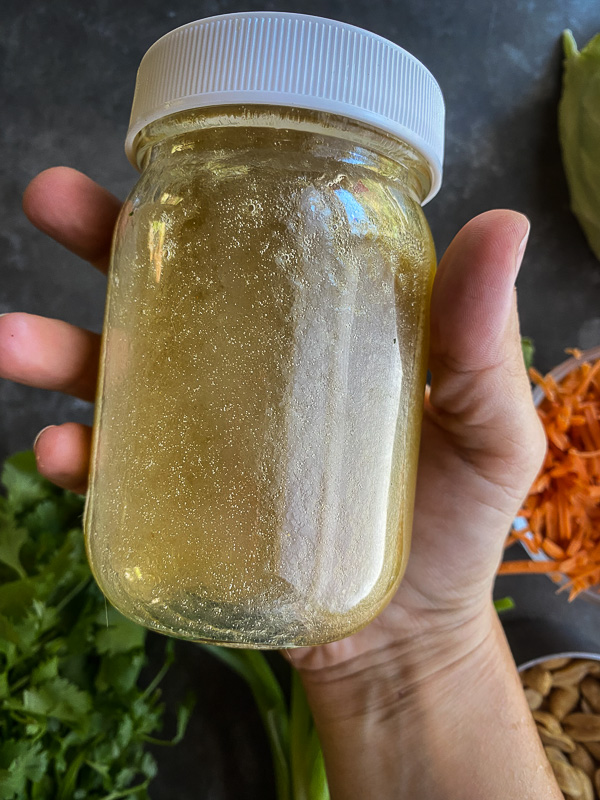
pixel 535 661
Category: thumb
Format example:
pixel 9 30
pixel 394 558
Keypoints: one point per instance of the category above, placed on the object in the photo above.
pixel 480 393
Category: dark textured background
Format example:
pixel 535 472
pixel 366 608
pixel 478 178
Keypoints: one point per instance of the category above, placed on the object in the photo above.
pixel 66 82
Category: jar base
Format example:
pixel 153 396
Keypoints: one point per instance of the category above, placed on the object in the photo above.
pixel 232 625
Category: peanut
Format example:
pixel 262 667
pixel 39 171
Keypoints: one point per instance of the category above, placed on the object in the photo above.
pixel 563 700
pixel 539 679
pixel 556 663
pixel 574 672
pixel 534 699
pixel 590 689
pixel 585 707
pixel 548 720
pixel 554 754
pixel 582 759
pixel 593 749
pixel 586 786
pixel 567 778
pixel 562 741
pixel 582 727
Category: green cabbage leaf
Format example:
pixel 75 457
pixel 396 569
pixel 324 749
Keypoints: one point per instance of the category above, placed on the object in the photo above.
pixel 579 129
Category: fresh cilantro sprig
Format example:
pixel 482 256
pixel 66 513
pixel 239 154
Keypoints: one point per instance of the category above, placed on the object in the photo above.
pixel 74 723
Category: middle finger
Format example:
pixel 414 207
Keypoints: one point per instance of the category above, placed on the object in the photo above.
pixel 49 354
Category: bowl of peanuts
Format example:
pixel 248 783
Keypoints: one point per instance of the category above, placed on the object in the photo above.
pixel 563 693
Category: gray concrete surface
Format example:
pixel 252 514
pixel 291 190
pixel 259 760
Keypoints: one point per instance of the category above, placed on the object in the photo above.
pixel 66 83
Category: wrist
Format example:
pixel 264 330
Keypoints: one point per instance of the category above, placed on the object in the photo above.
pixel 439 719
pixel 387 680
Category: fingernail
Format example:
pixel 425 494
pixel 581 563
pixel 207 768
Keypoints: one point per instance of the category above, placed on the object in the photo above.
pixel 521 250
pixel 35 441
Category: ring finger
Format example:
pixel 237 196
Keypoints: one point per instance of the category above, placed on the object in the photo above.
pixel 62 454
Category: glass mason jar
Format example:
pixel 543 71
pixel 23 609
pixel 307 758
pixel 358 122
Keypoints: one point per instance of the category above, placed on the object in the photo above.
pixel 262 373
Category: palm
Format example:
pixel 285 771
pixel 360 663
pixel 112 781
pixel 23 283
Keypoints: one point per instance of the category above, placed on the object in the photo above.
pixel 480 445
pixel 460 521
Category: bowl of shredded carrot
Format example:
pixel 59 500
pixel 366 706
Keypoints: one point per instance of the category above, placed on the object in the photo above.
pixel 559 523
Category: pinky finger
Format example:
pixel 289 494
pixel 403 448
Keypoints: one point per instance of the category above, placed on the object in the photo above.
pixel 62 454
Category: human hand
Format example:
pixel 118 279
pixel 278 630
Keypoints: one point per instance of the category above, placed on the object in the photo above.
pixel 481 448
pixel 481 441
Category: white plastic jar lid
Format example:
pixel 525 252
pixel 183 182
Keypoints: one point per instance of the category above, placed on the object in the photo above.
pixel 293 60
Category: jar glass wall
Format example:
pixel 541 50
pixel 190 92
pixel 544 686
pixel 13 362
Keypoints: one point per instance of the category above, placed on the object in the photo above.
pixel 262 376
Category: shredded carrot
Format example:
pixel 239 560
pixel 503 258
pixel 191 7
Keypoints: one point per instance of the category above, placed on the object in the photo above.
pixel 552 549
pixel 516 567
pixel 562 510
pixel 590 454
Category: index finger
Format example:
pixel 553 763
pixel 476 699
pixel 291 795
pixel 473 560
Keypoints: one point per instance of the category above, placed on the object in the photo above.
pixel 75 211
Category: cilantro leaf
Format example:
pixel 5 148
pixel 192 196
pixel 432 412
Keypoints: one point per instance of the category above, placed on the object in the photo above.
pixel 12 539
pixel 23 757
pixel 120 635
pixel 60 699
pixel 12 783
pixel 22 480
